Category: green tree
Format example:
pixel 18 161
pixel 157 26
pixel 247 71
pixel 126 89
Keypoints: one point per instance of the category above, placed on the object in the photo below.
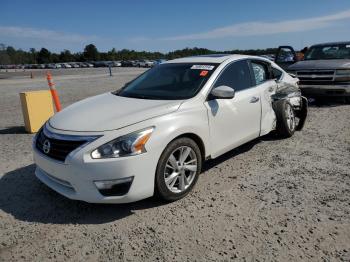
pixel 44 56
pixel 91 53
pixel 4 57
pixel 33 56
pixel 66 56
pixel 112 55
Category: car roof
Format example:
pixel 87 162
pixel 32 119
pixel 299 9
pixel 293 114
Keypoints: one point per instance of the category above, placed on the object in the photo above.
pixel 215 58
pixel 333 43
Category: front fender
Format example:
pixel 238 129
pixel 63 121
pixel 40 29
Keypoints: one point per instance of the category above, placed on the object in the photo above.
pixel 190 121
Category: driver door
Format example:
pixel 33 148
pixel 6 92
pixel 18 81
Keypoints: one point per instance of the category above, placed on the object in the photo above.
pixel 235 121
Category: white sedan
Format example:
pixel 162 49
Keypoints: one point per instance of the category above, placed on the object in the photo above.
pixel 154 134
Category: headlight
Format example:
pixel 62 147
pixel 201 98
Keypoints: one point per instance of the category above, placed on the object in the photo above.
pixel 128 145
pixel 343 72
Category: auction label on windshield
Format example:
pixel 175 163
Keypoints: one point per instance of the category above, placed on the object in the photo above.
pixel 203 67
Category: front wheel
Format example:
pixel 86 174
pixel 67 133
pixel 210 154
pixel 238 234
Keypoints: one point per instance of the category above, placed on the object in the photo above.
pixel 286 122
pixel 178 169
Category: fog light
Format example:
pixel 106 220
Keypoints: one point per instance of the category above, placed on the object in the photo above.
pixel 115 187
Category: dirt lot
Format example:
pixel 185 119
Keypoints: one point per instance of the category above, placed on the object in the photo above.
pixel 269 200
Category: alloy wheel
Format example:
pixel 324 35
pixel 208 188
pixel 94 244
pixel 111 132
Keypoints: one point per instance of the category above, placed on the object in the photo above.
pixel 180 169
pixel 290 117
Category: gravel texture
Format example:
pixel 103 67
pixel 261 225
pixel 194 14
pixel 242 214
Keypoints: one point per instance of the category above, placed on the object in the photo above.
pixel 268 200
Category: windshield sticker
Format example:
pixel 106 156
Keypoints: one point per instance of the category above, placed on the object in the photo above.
pixel 203 67
pixel 204 73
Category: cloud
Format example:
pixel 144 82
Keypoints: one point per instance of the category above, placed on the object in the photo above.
pixel 265 28
pixel 43 34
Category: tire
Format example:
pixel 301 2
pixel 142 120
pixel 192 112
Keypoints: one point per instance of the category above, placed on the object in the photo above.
pixel 168 185
pixel 285 115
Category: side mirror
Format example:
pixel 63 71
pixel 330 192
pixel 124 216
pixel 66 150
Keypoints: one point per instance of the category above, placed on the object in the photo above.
pixel 222 92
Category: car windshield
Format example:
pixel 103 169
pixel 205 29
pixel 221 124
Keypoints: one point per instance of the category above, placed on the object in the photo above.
pixel 173 81
pixel 334 51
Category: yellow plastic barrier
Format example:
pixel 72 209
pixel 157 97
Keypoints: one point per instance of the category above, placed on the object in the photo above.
pixel 37 107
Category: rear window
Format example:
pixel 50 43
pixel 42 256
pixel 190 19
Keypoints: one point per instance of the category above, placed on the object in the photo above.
pixel 334 51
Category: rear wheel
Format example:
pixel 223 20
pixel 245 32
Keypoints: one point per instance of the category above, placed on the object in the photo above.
pixel 286 122
pixel 178 169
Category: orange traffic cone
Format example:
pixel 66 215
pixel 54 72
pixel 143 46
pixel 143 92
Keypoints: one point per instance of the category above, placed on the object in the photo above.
pixel 54 93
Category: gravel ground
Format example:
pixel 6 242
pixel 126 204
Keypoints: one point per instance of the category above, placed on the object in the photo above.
pixel 269 200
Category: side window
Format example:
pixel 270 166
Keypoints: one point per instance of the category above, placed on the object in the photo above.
pixel 277 74
pixel 261 73
pixel 235 75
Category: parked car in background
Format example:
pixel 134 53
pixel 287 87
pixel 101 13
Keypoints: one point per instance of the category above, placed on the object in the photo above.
pixel 102 63
pixel 82 65
pixel 144 63
pixel 325 70
pixel 88 64
pixel 116 63
pixel 66 65
pixel 154 134
pixel 126 63
pixel 74 65
pixel 49 66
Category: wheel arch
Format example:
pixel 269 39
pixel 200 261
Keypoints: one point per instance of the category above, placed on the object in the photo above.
pixel 197 139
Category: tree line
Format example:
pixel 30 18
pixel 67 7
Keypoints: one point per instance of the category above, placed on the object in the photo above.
pixel 9 55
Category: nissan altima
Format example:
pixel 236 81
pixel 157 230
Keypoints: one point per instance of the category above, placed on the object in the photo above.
pixel 153 135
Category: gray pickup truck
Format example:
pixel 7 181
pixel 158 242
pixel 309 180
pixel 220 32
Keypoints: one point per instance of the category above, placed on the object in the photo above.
pixel 324 71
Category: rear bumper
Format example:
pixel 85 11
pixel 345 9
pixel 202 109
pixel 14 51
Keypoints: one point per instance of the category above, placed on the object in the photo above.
pixel 325 90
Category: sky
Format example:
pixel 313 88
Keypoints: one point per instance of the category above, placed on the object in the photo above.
pixel 156 25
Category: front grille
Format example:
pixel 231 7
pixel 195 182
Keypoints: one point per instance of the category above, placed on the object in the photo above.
pixel 316 72
pixel 56 148
pixel 331 83
pixel 316 76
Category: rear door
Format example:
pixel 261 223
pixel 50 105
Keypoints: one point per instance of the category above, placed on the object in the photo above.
pixel 265 81
pixel 285 56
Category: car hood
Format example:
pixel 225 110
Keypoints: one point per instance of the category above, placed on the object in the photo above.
pixel 321 64
pixel 108 112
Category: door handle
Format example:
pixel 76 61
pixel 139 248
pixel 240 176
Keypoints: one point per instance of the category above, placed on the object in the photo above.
pixel 254 99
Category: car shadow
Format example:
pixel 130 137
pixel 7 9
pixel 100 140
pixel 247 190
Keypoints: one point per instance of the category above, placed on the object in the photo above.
pixel 13 130
pixel 27 199
pixel 211 163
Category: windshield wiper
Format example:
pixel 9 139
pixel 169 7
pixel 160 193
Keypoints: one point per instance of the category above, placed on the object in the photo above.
pixel 139 96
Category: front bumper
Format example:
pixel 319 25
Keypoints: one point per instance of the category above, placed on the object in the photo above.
pixel 76 176
pixel 326 90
